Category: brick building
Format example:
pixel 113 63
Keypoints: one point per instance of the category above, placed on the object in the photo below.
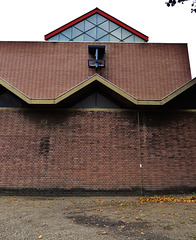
pixel 97 107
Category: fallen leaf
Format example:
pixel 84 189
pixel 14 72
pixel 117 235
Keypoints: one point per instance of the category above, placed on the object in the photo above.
pixel 165 199
pixel 102 233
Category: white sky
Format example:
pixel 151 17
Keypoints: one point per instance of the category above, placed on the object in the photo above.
pixel 30 20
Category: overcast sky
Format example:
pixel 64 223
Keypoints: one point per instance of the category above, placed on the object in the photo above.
pixel 30 20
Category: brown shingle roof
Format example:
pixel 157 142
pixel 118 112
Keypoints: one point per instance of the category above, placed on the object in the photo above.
pixel 45 70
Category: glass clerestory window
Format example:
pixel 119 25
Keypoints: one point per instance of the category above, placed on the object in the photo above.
pixel 96 28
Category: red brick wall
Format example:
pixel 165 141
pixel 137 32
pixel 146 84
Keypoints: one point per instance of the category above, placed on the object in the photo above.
pixel 97 149
pixel 168 142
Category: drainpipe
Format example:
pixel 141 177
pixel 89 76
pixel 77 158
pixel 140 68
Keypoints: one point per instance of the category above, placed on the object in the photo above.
pixel 96 57
pixel 140 156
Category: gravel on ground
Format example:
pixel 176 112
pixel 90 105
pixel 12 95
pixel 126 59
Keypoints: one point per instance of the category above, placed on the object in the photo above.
pixel 101 217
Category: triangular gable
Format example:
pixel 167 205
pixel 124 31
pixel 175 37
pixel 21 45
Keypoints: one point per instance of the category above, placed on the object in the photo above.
pixel 94 98
pixel 106 84
pixel 90 14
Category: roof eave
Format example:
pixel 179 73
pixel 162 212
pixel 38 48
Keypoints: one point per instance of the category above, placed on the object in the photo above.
pixel 104 82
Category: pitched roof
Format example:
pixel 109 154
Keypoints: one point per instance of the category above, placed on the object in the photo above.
pixel 48 72
pixel 104 14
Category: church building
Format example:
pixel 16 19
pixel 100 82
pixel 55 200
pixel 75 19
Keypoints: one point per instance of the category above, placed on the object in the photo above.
pixel 96 107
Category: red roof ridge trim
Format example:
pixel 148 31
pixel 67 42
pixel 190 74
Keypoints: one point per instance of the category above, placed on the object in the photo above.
pixel 104 14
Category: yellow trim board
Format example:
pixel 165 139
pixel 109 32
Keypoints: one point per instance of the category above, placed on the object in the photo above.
pixel 96 109
pixel 104 82
pixel 178 91
pixel 101 80
pixel 14 90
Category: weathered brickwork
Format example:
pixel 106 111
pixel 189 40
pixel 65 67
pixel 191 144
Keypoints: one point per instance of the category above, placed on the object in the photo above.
pixel 97 149
pixel 168 142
